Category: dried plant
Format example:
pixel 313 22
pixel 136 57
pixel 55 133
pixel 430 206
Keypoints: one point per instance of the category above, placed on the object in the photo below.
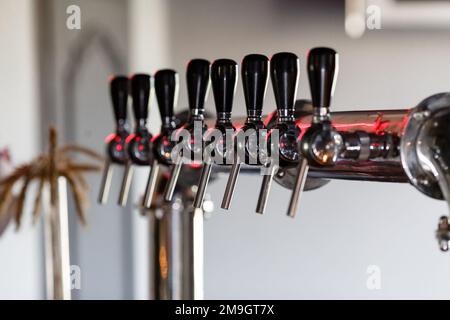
pixel 46 169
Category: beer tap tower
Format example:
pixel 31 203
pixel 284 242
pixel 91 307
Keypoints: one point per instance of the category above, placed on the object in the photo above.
pixel 166 88
pixel 115 142
pixel 284 69
pixel 309 145
pixel 138 144
pixel 197 80
pixel 255 72
pixel 224 80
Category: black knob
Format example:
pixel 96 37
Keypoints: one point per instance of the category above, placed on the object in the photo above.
pixel 255 71
pixel 119 97
pixel 322 73
pixel 197 79
pixel 140 92
pixel 322 144
pixel 166 89
pixel 284 71
pixel 224 79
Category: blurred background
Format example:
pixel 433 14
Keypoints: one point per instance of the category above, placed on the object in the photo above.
pixel 52 75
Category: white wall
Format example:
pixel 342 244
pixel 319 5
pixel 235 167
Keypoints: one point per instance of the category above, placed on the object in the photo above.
pixel 21 274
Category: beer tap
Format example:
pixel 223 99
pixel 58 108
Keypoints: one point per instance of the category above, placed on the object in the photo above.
pixel 284 72
pixel 254 71
pixel 322 143
pixel 139 145
pixel 115 143
pixel 197 80
pixel 223 79
pixel 166 89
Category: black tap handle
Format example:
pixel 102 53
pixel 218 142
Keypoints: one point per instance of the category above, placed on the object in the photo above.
pixel 140 92
pixel 166 89
pixel 284 71
pixel 224 79
pixel 255 71
pixel 197 79
pixel 322 73
pixel 119 97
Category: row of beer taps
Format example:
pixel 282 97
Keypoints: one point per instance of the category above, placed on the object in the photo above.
pixel 403 145
pixel 320 144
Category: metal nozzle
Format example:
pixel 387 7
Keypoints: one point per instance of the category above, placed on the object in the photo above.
pixel 105 184
pixel 151 185
pixel 231 184
pixel 202 185
pixel 172 183
pixel 126 183
pixel 299 184
pixel 265 189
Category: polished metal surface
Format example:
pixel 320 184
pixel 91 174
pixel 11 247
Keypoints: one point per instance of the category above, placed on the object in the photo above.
pixel 126 184
pixel 151 185
pixel 424 146
pixel 231 184
pixel 433 156
pixel 373 155
pixel 302 173
pixel 177 241
pixel 371 170
pixel 202 185
pixel 265 190
pixel 167 279
pixel 172 183
pixel 378 122
pixel 105 183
